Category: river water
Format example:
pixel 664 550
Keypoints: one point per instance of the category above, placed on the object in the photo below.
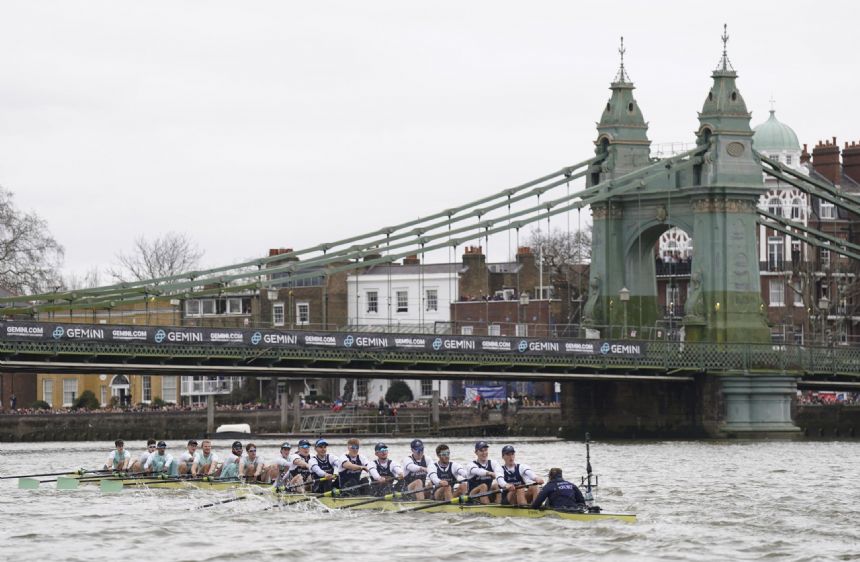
pixel 709 500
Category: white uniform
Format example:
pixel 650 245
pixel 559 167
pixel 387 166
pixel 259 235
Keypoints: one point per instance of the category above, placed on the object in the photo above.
pixel 457 471
pixel 373 469
pixel 116 461
pixel 144 456
pixel 187 458
pixel 526 474
pixel 314 465
pixel 159 463
pixel 413 470
pixel 245 463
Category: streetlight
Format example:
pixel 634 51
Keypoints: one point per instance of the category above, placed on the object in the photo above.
pixel 624 296
pixel 823 307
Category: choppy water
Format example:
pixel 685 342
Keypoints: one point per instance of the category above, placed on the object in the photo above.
pixel 695 501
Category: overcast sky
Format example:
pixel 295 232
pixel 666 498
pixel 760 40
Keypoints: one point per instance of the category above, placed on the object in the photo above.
pixel 283 124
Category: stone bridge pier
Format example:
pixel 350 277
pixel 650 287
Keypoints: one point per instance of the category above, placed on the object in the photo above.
pixel 709 406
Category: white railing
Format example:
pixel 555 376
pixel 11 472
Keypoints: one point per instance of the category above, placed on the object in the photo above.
pixel 203 386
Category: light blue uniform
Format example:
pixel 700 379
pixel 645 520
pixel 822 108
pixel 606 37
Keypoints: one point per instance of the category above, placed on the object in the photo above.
pixel 159 463
pixel 230 468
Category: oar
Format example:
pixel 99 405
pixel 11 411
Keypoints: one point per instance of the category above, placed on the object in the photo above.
pixel 65 472
pixel 278 489
pixel 459 500
pixel 237 498
pixel 331 493
pixel 388 497
pixel 589 497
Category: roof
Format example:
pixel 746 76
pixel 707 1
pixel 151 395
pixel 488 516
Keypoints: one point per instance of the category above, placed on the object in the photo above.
pixel 774 135
pixel 400 269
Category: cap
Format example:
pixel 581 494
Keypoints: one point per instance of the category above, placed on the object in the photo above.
pixel 320 442
pixel 508 449
pixel 481 445
pixel 304 443
pixel 237 444
pixel 286 445
pixel 417 445
pixel 192 441
pixel 161 445
pixel 380 447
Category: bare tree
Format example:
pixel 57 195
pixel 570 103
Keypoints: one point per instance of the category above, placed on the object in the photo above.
pixel 30 258
pixel 561 250
pixel 166 255
pixel 90 279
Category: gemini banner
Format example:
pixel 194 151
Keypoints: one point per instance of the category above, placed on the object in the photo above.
pixel 293 339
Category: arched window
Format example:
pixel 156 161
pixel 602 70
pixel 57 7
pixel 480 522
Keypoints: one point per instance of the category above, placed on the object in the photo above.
pixel 774 206
pixel 796 208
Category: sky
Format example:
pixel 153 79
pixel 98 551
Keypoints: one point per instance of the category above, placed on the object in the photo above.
pixel 258 125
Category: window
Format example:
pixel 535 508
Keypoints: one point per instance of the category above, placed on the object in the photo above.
pixel 146 383
pixel 827 210
pixel 467 330
pixel 824 258
pixel 234 306
pixel 103 395
pixel 192 307
pixel 774 253
pixel 432 300
pixel 788 158
pixel 796 255
pixel 494 330
pixel 70 391
pixel 798 294
pixel 426 388
pixel 207 306
pixel 774 206
pixel 372 301
pixel 672 297
pixel 522 330
pixel 402 301
pixel 168 389
pixel 777 292
pixel 796 208
pixel 361 388
pixel 278 314
pixel 303 313
pixel 48 391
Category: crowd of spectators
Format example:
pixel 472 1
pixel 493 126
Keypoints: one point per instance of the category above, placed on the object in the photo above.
pixel 808 397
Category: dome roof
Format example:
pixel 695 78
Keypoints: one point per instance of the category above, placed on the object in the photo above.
pixel 773 136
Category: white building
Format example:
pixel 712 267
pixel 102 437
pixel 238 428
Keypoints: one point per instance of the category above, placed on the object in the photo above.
pixel 405 298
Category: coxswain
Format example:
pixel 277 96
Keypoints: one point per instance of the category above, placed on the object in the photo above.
pixel 445 475
pixel 383 471
pixel 230 467
pixel 186 459
pixel 323 467
pixel 300 469
pixel 205 460
pixel 251 465
pixel 481 473
pixel 119 458
pixel 415 469
pixel 513 475
pixel 559 494
pixel 160 461
pixel 350 469
pixel 137 465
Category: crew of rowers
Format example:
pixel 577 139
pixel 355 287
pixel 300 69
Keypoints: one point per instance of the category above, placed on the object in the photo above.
pixel 416 476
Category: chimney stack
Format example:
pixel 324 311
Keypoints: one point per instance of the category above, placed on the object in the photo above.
pixel 851 161
pixel 805 156
pixel 825 161
pixel 411 260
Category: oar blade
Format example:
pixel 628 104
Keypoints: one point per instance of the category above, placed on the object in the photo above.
pixel 67 483
pixel 111 486
pixel 28 483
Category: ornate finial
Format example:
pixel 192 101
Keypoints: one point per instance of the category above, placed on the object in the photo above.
pixel 724 64
pixel 622 74
pixel 772 103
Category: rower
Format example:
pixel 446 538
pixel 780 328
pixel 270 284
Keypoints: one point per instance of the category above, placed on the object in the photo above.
pixel 350 469
pixel 137 465
pixel 186 459
pixel 119 458
pixel 513 475
pixel 279 468
pixel 445 474
pixel 205 460
pixel 300 471
pixel 481 473
pixel 160 461
pixel 323 465
pixel 415 469
pixel 383 471
pixel 230 468
pixel 559 494
pixel 250 465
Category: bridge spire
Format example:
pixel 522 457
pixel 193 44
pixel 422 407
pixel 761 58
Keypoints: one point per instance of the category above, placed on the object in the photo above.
pixel 622 76
pixel 725 65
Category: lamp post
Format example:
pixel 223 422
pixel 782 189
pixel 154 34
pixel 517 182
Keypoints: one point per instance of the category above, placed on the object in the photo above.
pixel 823 308
pixel 624 296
